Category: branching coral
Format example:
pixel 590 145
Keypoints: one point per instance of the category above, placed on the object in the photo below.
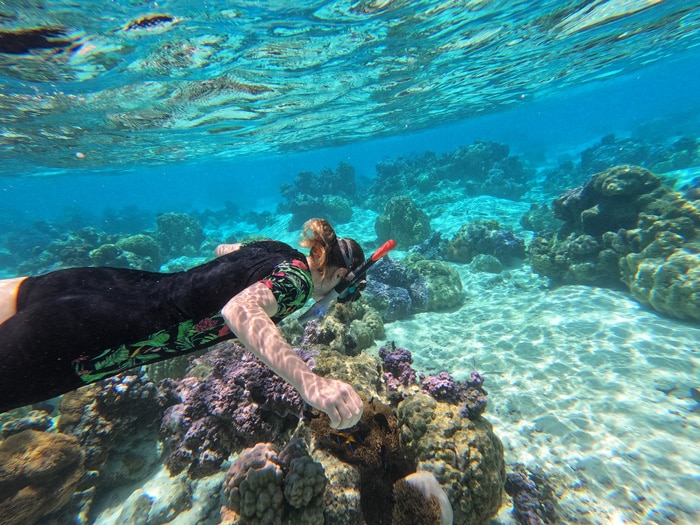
pixel 230 398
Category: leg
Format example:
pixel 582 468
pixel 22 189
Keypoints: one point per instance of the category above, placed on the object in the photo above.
pixel 39 343
pixel 8 297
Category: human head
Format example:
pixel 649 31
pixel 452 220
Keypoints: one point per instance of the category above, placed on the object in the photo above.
pixel 329 251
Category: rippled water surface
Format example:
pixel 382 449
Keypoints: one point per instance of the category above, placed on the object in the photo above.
pixel 128 82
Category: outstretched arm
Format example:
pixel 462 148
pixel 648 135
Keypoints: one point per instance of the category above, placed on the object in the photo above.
pixel 248 315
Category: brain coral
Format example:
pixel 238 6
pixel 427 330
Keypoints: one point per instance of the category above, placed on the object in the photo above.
pixel 465 456
pixel 625 227
pixel 404 222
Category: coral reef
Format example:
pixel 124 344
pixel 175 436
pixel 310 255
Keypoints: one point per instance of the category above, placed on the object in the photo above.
pixel 402 221
pixel 15 421
pixel 487 238
pixel 533 498
pixel 624 227
pixel 39 471
pixel 229 399
pixel 482 168
pixel 395 292
pixel 539 218
pixel 399 377
pixel 136 251
pixel 613 151
pixel 264 487
pixel 178 234
pixel 442 282
pixel 465 455
pixel 347 328
pixel 432 248
pixel 486 263
pixel 116 423
pixel 396 363
pixel 330 194
pixel 372 446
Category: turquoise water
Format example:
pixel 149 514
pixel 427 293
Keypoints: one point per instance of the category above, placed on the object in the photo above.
pixel 216 104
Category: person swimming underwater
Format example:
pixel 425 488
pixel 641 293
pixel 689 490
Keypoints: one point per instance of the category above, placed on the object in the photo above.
pixel 72 327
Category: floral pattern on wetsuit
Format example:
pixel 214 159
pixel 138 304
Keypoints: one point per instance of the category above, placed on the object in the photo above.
pixel 290 283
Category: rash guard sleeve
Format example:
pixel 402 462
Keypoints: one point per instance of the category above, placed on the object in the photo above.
pixel 290 283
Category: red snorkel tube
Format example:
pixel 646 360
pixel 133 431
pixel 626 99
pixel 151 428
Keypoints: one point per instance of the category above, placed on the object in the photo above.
pixel 348 286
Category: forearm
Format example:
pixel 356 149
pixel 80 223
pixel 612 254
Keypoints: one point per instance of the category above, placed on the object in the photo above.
pixel 257 332
pixel 249 317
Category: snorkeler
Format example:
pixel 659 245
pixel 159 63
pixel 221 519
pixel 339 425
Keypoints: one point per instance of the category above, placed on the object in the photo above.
pixel 72 327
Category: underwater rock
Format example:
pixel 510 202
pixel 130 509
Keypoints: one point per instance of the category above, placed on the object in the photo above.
pixel 624 227
pixel 464 455
pixel 402 221
pixel 39 471
pixel 229 399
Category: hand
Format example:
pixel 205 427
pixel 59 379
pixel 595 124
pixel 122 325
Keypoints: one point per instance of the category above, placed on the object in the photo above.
pixel 337 399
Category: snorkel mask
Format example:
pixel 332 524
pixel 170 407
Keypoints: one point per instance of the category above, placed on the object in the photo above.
pixel 349 288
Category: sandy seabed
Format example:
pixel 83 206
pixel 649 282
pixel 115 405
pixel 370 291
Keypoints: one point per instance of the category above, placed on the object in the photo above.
pixel 584 383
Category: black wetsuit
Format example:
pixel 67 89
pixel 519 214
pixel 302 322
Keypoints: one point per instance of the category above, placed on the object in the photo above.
pixel 77 326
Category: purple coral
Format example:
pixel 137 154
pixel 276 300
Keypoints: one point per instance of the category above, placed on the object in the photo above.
pixel 242 401
pixel 442 387
pixel 397 367
pixel 533 498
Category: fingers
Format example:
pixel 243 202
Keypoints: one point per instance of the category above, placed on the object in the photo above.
pixel 350 409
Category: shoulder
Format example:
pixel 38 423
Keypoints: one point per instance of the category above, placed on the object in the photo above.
pixel 291 284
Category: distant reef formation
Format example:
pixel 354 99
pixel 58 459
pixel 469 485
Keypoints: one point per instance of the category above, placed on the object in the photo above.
pixel 624 228
pixel 482 168
pixel 175 235
pixel 328 193
pixel 612 151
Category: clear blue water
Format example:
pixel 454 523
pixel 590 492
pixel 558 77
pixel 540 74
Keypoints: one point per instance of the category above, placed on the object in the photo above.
pixel 227 102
